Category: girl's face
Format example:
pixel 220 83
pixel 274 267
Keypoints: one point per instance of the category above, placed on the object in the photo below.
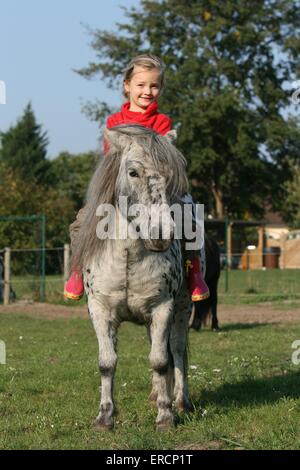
pixel 143 88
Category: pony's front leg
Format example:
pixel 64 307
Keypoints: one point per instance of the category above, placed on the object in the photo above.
pixel 106 334
pixel 159 360
pixel 170 379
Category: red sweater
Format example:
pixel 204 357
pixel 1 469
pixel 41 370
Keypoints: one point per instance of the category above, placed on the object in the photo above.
pixel 150 118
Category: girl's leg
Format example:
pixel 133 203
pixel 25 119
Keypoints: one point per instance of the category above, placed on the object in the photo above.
pixel 195 262
pixel 74 288
pixel 197 285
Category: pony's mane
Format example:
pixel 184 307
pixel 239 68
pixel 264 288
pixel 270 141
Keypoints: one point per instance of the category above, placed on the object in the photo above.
pixel 167 160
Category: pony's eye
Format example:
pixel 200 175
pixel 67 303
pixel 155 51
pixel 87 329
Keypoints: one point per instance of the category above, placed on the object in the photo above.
pixel 133 174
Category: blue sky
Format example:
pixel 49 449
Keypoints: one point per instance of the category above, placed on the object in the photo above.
pixel 41 41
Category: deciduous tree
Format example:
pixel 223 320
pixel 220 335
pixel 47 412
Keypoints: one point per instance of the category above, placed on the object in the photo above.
pixel 228 64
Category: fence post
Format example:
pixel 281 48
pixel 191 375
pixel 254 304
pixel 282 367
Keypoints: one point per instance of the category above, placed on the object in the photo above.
pixel 66 261
pixel 43 259
pixel 229 244
pixel 261 244
pixel 6 294
pixel 228 260
pixel 282 246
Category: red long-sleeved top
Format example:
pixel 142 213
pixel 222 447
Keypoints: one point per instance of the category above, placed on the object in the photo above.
pixel 152 118
pixel 161 123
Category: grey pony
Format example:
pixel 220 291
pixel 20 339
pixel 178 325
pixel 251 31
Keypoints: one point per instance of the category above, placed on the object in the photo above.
pixel 141 279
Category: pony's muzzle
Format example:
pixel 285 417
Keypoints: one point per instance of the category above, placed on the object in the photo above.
pixel 160 238
pixel 157 245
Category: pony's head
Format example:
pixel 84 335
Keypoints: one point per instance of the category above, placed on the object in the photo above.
pixel 146 173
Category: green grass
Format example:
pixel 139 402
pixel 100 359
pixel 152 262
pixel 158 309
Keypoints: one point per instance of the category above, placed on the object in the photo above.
pixel 260 286
pixel 245 287
pixel 244 387
pixel 28 287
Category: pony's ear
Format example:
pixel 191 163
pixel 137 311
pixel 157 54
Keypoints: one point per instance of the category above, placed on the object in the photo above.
pixel 115 139
pixel 171 136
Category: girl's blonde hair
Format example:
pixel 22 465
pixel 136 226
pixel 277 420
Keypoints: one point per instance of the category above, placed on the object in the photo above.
pixel 147 61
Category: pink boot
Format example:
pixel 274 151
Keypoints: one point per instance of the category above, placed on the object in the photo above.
pixel 74 289
pixel 197 286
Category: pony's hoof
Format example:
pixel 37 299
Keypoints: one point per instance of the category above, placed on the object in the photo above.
pixel 164 427
pixel 165 424
pixel 102 425
pixel 216 328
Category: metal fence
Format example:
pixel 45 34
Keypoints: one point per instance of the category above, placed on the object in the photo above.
pixel 33 274
pixel 245 276
pixel 258 277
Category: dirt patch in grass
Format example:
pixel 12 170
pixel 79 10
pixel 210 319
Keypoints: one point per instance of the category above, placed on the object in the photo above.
pixel 44 310
pixel 260 313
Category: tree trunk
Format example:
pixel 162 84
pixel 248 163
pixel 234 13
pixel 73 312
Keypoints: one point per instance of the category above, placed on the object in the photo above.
pixel 219 204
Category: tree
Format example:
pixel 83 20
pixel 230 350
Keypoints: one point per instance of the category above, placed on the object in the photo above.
pixel 291 208
pixel 227 66
pixel 24 147
pixel 20 197
pixel 70 175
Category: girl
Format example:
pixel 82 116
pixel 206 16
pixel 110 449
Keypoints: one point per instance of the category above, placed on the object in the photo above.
pixel 142 85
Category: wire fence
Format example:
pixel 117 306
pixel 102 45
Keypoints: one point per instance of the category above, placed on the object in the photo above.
pixel 272 274
pixel 245 276
pixel 34 277
pixel 259 284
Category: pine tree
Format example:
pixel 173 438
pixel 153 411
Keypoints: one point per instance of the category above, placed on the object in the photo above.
pixel 24 148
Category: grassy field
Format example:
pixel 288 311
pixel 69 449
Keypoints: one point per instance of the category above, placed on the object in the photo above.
pixel 244 387
pixel 243 286
pixel 259 285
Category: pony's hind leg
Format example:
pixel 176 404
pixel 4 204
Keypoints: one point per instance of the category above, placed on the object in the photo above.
pixel 106 335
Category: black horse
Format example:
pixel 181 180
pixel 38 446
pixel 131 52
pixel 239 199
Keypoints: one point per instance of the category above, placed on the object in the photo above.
pixel 201 310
